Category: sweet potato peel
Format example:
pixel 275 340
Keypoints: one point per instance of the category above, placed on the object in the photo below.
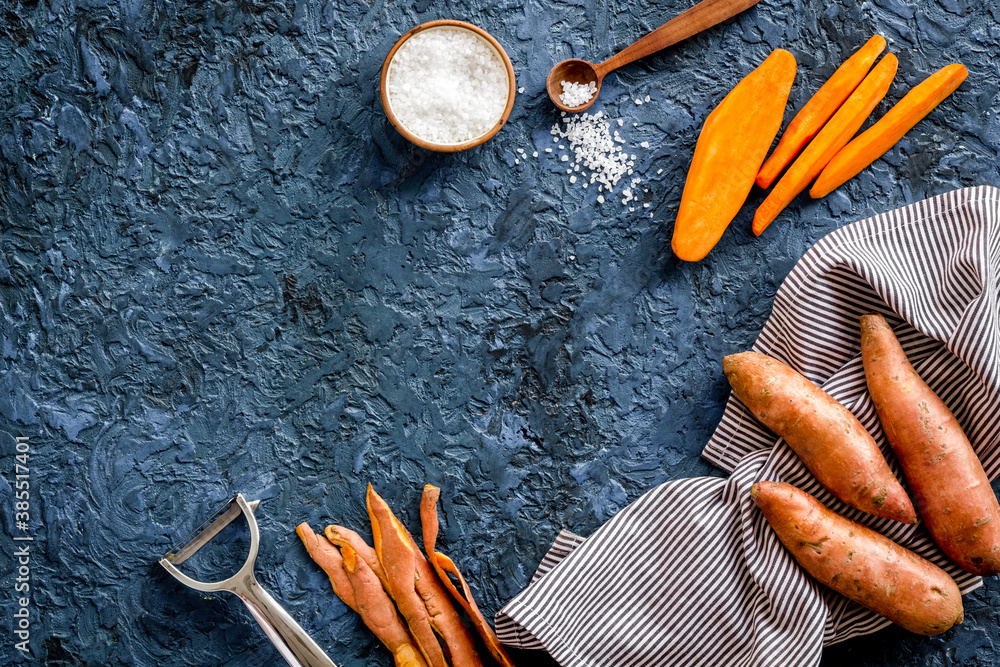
pixel 345 537
pixel 328 557
pixel 418 594
pixel 445 566
pixel 378 612
pixel 356 584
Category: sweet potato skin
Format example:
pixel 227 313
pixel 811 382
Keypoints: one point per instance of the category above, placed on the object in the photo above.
pixel 949 485
pixel 399 560
pixel 329 559
pixel 420 597
pixel 823 433
pixel 860 563
pixel 345 537
pixel 444 567
pixel 356 584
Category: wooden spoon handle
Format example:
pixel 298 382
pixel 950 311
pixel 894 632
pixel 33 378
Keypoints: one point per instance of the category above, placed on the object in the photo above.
pixel 702 16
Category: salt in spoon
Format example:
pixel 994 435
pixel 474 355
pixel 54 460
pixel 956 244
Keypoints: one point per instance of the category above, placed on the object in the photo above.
pixel 702 16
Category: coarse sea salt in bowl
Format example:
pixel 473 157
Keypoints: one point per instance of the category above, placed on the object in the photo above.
pixel 447 85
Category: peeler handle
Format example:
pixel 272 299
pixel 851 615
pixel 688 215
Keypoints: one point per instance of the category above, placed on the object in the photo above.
pixel 294 644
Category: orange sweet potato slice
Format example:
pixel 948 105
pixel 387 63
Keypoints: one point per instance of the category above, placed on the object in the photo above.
pixel 819 109
pixel 731 147
pixel 827 143
pixel 871 144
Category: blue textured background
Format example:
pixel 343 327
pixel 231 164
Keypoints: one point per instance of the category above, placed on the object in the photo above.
pixel 221 269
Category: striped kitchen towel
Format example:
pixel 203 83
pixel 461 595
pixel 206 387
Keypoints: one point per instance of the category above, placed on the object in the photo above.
pixel 690 573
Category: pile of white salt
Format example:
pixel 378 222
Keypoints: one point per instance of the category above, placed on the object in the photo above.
pixel 575 94
pixel 447 85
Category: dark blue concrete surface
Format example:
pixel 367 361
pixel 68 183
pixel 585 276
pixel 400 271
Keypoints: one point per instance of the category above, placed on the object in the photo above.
pixel 221 269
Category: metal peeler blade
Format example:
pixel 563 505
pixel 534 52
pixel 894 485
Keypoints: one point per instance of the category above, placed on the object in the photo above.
pixel 293 643
pixel 204 533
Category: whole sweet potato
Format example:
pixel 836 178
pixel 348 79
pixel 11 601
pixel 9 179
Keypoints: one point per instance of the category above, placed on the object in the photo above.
pixel 823 433
pixel 859 563
pixel 951 490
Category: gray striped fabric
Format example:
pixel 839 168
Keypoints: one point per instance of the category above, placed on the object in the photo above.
pixel 690 573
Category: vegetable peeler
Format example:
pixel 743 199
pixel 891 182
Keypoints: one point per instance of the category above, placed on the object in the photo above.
pixel 294 644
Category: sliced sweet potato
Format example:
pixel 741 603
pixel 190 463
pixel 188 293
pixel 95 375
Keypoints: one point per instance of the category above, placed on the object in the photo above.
pixel 872 144
pixel 731 147
pixel 818 110
pixel 834 136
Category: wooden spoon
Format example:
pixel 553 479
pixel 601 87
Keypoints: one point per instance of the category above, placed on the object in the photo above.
pixel 702 16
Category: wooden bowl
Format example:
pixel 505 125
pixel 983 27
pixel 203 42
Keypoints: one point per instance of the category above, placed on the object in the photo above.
pixel 430 145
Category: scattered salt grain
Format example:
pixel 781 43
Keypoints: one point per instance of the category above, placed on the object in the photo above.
pixel 638 102
pixel 447 85
pixel 535 154
pixel 520 90
pixel 647 98
pixel 577 94
pixel 645 144
pixel 596 154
